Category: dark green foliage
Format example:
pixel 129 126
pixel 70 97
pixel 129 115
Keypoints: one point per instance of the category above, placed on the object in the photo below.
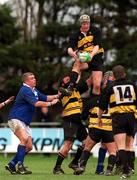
pixel 45 53
pixel 8 30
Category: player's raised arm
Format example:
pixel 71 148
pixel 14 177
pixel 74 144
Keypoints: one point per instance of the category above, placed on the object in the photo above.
pixel 7 101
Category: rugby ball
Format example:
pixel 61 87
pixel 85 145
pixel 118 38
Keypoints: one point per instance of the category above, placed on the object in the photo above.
pixel 84 57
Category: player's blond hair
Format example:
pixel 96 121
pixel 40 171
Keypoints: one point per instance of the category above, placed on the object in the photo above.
pixel 26 75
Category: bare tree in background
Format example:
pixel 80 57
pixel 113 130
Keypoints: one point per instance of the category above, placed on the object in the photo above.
pixel 26 13
pixel 33 14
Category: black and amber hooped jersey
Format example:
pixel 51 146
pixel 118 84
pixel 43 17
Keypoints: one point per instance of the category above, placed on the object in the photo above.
pixel 121 97
pixel 93 118
pixel 72 104
pixel 86 42
pixel 136 114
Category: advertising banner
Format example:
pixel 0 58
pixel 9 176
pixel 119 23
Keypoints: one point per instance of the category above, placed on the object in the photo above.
pixel 45 140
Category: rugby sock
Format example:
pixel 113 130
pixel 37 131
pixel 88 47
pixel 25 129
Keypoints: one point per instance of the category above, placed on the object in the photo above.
pixel 118 163
pixel 131 159
pixel 124 160
pixel 27 151
pixel 21 151
pixel 14 161
pixel 84 158
pixel 101 157
pixel 77 155
pixel 111 162
pixel 60 159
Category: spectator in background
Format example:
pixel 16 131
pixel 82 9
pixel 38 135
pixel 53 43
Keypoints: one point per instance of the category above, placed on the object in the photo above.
pixel 20 117
pixel 43 115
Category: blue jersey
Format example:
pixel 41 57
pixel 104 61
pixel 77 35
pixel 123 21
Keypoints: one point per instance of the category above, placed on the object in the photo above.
pixel 23 108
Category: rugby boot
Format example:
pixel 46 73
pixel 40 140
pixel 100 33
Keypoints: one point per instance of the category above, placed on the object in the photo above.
pixel 11 169
pixel 58 170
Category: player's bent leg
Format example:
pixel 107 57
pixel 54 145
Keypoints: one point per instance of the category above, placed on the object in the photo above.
pixel 89 144
pixel 21 151
pixel 28 148
pixel 74 77
pixel 96 77
pixel 74 163
pixel 22 136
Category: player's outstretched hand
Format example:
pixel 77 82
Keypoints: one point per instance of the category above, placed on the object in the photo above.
pixel 10 99
pixel 74 55
pixel 54 101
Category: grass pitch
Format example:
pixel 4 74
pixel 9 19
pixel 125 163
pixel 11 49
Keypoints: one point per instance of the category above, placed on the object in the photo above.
pixel 42 167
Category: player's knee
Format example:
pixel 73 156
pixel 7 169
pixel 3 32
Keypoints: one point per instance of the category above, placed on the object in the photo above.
pixel 24 140
pixel 29 147
pixel 88 148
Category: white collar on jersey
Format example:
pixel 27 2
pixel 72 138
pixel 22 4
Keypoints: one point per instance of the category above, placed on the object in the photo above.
pixel 33 89
pixel 85 34
pixel 24 84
